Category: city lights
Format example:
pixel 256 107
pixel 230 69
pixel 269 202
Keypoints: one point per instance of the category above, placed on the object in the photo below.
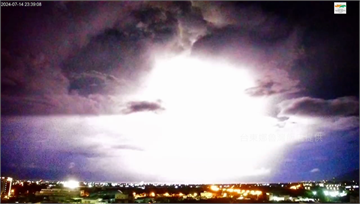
pixel 342 194
pixel 250 193
pixel 334 193
pixel 230 190
pixel 214 188
pixel 295 187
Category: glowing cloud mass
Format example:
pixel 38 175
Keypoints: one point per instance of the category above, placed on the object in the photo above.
pixel 206 110
pixel 207 119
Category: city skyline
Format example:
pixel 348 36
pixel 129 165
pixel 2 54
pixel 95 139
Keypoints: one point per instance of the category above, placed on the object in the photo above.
pixel 72 191
pixel 188 92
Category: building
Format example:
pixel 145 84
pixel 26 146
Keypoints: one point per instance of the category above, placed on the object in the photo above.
pixel 308 186
pixel 333 186
pixel 6 183
pixel 144 200
pixel 121 197
pixel 58 195
pixel 352 187
pixel 107 196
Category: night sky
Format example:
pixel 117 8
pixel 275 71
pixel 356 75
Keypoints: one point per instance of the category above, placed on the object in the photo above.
pixel 179 91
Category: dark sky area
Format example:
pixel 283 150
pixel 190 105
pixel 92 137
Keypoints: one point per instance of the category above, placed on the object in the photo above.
pixel 156 91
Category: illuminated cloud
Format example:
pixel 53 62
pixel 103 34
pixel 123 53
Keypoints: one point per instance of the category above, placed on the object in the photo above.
pixel 315 170
pixel 324 115
pixel 315 107
pixel 215 120
pixel 270 87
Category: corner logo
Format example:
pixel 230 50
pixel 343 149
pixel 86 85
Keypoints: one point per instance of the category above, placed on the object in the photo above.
pixel 340 8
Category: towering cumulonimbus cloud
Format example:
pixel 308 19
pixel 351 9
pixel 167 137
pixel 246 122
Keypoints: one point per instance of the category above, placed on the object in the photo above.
pixel 115 86
pixel 123 43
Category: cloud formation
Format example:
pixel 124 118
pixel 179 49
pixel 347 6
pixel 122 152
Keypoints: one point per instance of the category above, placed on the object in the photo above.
pixel 141 106
pixel 315 107
pixel 108 57
pixel 315 170
pixel 85 95
pixel 270 87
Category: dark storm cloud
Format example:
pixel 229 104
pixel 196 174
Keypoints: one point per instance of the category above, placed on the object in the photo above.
pixel 59 104
pixel 60 29
pixel 263 89
pixel 105 56
pixel 241 46
pixel 106 60
pixel 269 87
pixel 190 20
pixel 27 82
pixel 33 80
pixel 307 106
pixel 252 39
pixel 159 24
pixel 31 74
pixel 142 106
pixel 94 82
pixel 124 49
